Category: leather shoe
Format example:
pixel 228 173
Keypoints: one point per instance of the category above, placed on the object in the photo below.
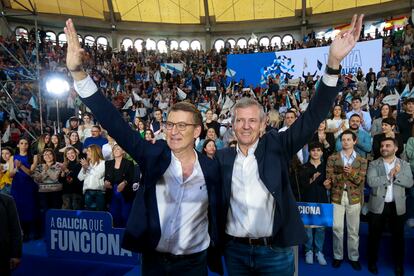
pixel 356 265
pixel 399 271
pixel 336 263
pixel 373 268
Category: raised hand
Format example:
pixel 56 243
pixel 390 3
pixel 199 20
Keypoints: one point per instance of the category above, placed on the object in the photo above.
pixel 74 52
pixel 344 42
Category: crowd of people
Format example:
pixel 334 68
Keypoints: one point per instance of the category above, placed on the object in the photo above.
pixel 360 158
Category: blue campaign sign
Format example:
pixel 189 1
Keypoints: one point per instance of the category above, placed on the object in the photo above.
pixel 316 214
pixel 256 68
pixel 85 235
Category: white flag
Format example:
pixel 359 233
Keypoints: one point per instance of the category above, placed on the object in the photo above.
pixel 157 77
pixel 6 135
pixel 128 104
pixel 12 115
pixel 137 98
pixel 181 94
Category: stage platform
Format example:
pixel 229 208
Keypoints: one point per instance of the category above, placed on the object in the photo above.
pixel 36 262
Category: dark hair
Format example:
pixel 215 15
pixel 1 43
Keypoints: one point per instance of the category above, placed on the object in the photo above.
pixel 188 107
pixel 6 148
pixel 291 111
pixel 205 145
pixel 391 121
pixel 343 116
pixel 390 139
pixel 51 151
pixel 409 100
pixel 354 115
pixel 349 132
pixel 357 98
pixel 98 127
pixel 315 145
pixel 389 109
pixel 150 131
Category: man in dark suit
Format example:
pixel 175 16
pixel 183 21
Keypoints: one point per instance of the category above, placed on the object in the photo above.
pixel 173 220
pixel 11 241
pixel 262 219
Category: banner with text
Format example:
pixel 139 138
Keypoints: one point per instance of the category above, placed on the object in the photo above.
pixel 316 214
pixel 85 234
pixel 255 69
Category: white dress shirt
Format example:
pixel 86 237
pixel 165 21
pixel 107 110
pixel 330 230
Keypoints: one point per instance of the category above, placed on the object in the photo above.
pixel 183 208
pixel 93 177
pixel 182 204
pixel 252 207
pixel 389 196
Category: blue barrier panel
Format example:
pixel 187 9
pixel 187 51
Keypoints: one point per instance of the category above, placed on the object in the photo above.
pixel 85 235
pixel 316 214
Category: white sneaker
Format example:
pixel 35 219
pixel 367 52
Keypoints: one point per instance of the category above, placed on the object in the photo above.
pixel 309 257
pixel 321 258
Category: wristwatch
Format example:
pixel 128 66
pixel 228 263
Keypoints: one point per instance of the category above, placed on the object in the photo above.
pixel 331 71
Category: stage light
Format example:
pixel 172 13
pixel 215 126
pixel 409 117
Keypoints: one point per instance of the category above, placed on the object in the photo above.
pixel 57 86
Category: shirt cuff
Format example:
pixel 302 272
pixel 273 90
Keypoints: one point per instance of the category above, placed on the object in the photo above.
pixel 85 87
pixel 330 80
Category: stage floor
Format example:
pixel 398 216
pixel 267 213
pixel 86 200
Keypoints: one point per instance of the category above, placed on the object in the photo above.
pixel 36 262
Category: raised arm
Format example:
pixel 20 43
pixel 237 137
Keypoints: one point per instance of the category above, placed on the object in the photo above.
pixel 102 109
pixel 300 132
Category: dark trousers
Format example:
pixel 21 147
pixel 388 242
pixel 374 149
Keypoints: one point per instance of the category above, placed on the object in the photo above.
pixel 5 266
pixel 165 264
pixel 376 224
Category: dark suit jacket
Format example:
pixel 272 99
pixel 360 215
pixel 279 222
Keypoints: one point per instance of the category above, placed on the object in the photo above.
pixel 11 242
pixel 273 154
pixel 143 229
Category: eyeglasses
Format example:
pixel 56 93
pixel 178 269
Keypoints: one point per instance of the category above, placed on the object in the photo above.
pixel 181 126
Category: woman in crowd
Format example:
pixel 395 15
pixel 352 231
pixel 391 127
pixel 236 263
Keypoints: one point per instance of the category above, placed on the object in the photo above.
pixel 72 186
pixel 85 129
pixel 75 142
pixel 210 123
pixel 107 149
pixel 118 180
pixel 273 120
pixel 338 122
pixel 149 136
pixel 56 147
pixel 327 139
pixel 211 134
pixel 386 112
pixel 139 126
pixel 24 190
pixel 42 142
pixel 6 167
pixel 46 175
pixel 92 174
pixel 209 148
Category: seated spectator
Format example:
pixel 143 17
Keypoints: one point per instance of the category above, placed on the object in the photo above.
pixel 92 174
pixel 211 134
pixel 149 136
pixel 405 120
pixel 85 130
pixel 388 131
pixel 72 186
pixel 386 112
pixel 209 148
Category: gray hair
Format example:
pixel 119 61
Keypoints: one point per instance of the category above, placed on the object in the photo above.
pixel 244 103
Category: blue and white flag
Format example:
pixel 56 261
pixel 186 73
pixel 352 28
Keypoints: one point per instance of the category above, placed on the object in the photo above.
pixel 407 93
pixel 230 73
pixel 33 102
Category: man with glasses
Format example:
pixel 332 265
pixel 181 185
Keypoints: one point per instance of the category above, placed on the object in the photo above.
pixel 174 217
pixel 95 139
